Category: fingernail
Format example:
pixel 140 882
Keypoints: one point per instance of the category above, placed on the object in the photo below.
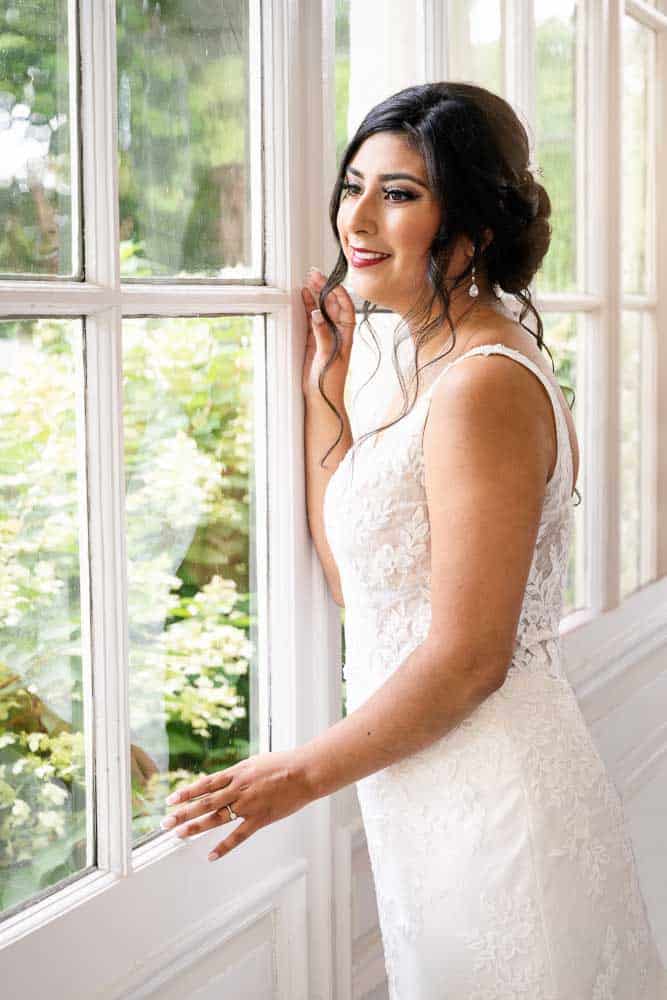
pixel 316 315
pixel 168 822
pixel 172 799
pixel 213 856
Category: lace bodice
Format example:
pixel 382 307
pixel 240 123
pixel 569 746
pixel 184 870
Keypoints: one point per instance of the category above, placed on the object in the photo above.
pixel 376 518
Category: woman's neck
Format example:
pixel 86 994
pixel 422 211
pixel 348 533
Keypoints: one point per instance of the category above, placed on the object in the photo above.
pixel 465 317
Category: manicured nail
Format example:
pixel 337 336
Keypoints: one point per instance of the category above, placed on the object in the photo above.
pixel 316 315
pixel 168 822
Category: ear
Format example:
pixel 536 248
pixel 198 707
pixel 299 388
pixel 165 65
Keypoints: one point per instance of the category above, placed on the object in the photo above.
pixel 488 237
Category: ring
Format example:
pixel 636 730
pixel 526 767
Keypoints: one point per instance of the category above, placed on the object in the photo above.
pixel 232 814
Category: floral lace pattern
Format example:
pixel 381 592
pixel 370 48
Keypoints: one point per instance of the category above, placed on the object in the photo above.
pixel 502 864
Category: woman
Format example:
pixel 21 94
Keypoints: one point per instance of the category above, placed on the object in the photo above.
pixel 502 863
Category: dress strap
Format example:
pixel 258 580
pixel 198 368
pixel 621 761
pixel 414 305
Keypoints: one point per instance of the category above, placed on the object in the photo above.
pixel 563 445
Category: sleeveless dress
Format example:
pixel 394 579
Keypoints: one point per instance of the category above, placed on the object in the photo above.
pixel 502 865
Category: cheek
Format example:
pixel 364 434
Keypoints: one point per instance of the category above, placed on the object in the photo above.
pixel 413 232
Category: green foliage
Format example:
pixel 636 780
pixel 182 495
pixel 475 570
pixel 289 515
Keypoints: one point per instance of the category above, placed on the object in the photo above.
pixel 188 439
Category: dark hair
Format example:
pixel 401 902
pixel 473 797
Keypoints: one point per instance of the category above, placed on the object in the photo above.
pixel 476 152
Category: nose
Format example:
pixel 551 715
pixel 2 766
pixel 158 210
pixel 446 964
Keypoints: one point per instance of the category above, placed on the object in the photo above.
pixel 361 213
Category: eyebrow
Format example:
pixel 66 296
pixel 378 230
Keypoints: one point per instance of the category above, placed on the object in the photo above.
pixel 391 177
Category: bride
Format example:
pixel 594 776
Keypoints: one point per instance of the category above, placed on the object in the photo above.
pixel 502 862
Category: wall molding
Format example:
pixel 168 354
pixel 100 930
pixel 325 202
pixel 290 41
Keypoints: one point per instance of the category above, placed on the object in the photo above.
pixel 614 653
pixel 281 897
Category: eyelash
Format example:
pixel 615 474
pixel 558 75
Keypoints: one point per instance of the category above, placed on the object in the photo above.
pixel 407 195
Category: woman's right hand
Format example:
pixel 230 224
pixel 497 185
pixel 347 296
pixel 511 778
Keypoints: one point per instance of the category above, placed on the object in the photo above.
pixel 320 339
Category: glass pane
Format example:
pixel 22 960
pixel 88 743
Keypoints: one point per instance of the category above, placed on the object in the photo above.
pixel 186 139
pixel 189 453
pixel 631 451
pixel 474 42
pixel 43 788
pixel 565 337
pixel 556 136
pixel 39 234
pixel 377 54
pixel 638 53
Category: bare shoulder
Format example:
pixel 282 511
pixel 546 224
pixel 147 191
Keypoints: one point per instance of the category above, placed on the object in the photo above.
pixel 511 334
pixel 493 408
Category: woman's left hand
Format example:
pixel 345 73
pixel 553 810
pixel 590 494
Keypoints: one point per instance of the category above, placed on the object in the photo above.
pixel 262 789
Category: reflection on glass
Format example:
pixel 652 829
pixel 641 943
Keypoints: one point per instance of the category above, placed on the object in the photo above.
pixel 474 42
pixel 638 58
pixel 631 451
pixel 36 183
pixel 556 25
pixel 188 404
pixel 563 334
pixel 43 797
pixel 184 138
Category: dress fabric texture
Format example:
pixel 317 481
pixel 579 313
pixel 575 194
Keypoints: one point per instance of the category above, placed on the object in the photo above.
pixel 502 863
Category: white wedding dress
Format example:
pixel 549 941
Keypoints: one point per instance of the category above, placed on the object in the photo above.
pixel 503 868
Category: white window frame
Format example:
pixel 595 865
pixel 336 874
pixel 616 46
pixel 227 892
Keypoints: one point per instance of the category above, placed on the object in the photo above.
pixel 267 877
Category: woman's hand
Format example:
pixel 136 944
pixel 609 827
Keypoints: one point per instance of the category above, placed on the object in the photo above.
pixel 320 339
pixel 260 790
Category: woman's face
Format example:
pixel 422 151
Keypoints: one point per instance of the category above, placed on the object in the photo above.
pixel 397 216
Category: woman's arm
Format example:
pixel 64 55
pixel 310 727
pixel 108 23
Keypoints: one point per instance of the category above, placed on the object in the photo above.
pixel 422 700
pixel 486 460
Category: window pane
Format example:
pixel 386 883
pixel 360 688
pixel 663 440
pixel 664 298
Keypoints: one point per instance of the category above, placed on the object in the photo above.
pixel 43 789
pixel 473 42
pixel 557 102
pixel 638 55
pixel 39 234
pixel 377 54
pixel 565 337
pixel 189 433
pixel 186 141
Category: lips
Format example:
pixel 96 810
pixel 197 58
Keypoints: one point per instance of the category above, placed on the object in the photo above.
pixel 361 260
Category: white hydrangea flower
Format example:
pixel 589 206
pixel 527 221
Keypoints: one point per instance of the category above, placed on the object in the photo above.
pixel 20 811
pixel 51 820
pixel 54 793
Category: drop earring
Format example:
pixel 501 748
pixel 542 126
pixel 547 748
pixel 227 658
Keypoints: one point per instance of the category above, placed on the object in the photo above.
pixel 473 291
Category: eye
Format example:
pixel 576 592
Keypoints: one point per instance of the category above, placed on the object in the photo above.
pixel 404 195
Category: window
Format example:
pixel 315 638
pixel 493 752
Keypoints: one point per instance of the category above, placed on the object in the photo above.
pixel 132 371
pixel 638 413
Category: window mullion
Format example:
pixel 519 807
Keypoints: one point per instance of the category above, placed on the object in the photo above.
pixel 104 435
pixel 519 55
pixel 605 358
pixel 434 19
pixel 661 312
